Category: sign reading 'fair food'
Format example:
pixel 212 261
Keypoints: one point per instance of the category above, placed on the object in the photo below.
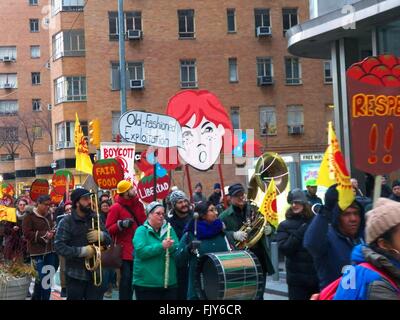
pixel 107 173
pixel 374 94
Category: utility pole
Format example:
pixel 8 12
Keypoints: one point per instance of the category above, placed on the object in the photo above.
pixel 122 64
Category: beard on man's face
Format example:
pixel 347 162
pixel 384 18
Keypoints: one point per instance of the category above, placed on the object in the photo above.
pixel 85 209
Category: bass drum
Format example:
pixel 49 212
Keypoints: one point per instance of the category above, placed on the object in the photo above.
pixel 235 275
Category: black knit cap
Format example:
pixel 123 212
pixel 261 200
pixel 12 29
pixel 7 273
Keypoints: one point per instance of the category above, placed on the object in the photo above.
pixel 79 193
pixel 202 208
pixel 396 183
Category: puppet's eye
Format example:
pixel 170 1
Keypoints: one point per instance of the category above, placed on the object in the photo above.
pixel 187 134
pixel 208 130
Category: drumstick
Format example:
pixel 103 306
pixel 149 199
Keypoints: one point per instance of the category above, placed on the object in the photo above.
pixel 166 276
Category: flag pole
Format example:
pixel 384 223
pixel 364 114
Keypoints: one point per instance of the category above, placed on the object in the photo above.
pixel 377 188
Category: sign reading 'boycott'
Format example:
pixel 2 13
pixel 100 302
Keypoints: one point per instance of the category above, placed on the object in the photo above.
pixel 150 129
pixel 124 153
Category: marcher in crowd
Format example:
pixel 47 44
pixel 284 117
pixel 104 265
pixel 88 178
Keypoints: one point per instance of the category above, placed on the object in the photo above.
pixel 215 197
pixel 124 217
pixel 75 240
pixel 395 196
pixel 151 242
pixel 301 275
pixel 386 191
pixel 377 271
pixel 356 189
pixel 210 237
pixel 198 193
pixel 311 192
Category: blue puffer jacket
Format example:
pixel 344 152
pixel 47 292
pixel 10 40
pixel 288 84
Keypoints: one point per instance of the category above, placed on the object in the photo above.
pixel 330 249
pixel 362 283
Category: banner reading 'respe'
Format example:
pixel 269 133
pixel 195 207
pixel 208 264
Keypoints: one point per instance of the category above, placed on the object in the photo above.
pixel 124 153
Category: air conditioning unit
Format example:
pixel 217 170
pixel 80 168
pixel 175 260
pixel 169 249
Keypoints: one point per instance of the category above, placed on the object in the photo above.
pixel 68 144
pixel 136 84
pixel 134 34
pixel 8 86
pixel 60 145
pixel 265 80
pixel 49 106
pixel 50 148
pixel 7 59
pixel 295 130
pixel 263 31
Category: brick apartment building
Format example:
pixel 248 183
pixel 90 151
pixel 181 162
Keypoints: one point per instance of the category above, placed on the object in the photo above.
pixel 25 123
pixel 235 49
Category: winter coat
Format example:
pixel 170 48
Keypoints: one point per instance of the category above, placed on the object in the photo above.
pixel 179 223
pixel 233 218
pixel 149 266
pixel 300 270
pixel 14 241
pixel 212 240
pixel 330 249
pixel 370 285
pixel 35 227
pixel 312 199
pixel 394 197
pixel 215 198
pixel 124 236
pixel 198 197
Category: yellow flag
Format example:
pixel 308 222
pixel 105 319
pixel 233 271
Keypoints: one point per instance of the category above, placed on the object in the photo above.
pixel 333 170
pixel 268 206
pixel 83 162
pixel 8 214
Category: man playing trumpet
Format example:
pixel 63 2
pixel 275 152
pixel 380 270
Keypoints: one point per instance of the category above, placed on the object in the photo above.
pixel 76 240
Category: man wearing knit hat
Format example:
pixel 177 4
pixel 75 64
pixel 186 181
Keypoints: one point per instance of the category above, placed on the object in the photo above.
pixel 215 197
pixel 395 196
pixel 198 193
pixel 311 192
pixel 125 215
pixel 377 274
pixel 178 217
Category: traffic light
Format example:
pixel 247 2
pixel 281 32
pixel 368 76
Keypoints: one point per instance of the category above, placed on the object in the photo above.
pixel 94 133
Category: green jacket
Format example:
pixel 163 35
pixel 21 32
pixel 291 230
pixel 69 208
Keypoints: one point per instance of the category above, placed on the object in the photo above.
pixel 184 257
pixel 233 221
pixel 149 260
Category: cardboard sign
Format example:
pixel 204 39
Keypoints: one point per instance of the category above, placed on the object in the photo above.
pixel 59 181
pixel 39 188
pixel 124 153
pixel 145 188
pixel 107 173
pixel 7 188
pixel 374 96
pixel 55 197
pixel 150 129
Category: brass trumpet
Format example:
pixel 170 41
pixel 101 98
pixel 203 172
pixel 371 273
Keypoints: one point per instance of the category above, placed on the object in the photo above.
pixel 94 264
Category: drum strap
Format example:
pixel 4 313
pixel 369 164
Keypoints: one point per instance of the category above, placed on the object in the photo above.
pixel 228 244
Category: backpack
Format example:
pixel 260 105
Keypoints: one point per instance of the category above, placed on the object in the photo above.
pixel 328 293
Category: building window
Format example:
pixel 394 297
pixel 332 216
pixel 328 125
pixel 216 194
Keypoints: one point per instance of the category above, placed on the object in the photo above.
pixel 233 71
pixel 115 76
pixel 293 70
pixel 65 134
pixel 132 21
pixel 69 43
pixel 235 117
pixel 70 89
pixel 115 124
pixel 34 25
pixel 135 71
pixel 295 120
pixel 8 81
pixel 8 107
pixel 9 134
pixel 37 132
pixel 268 121
pixel 290 18
pixel 188 74
pixel 186 23
pixel 35 52
pixel 8 53
pixel 264 67
pixel 67 5
pixel 8 157
pixel 327 72
pixel 36 105
pixel 35 78
pixel 262 18
pixel 231 20
pixel 33 2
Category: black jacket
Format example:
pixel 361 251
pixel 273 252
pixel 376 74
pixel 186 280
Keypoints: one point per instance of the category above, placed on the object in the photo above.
pixel 300 270
pixel 178 223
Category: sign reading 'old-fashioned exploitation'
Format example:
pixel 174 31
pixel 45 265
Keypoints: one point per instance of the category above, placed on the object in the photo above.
pixel 39 187
pixel 374 94
pixel 150 129
pixel 146 188
pixel 107 173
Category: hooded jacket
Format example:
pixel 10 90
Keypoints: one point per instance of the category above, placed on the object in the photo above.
pixel 330 249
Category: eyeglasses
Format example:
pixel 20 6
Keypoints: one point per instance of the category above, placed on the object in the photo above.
pixel 158 213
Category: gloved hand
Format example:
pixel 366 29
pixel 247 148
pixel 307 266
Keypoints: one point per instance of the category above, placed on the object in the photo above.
pixel 267 229
pixel 240 236
pixel 126 223
pixel 87 252
pixel 93 236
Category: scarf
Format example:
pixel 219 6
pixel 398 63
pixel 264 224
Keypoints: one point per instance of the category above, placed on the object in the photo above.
pixel 206 230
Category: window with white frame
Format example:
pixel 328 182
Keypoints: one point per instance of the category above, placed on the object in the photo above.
pixel 235 117
pixel 132 21
pixel 268 126
pixel 295 119
pixel 261 18
pixel 37 132
pixel 35 52
pixel 69 43
pixel 115 76
pixel 233 70
pixel 36 105
pixel 327 72
pixel 8 107
pixel 33 2
pixel 293 70
pixel 65 134
pixel 186 23
pixel 264 67
pixel 70 89
pixel 290 18
pixel 115 124
pixel 135 71
pixel 231 20
pixel 8 53
pixel 67 5
pixel 35 78
pixel 34 25
pixel 188 74
pixel 8 80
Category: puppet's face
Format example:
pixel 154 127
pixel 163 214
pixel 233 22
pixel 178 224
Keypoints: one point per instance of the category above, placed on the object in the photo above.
pixel 202 145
